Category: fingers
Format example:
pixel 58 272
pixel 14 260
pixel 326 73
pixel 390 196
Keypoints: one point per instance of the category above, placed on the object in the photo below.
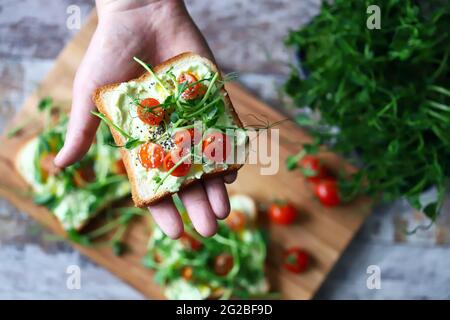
pixel 167 217
pixel 80 134
pixel 229 178
pixel 197 205
pixel 218 197
pixel 82 124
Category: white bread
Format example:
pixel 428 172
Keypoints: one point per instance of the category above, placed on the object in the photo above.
pixel 139 199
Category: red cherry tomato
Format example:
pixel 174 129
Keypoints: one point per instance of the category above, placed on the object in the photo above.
pixel 327 192
pixel 149 113
pixel 193 89
pixel 119 167
pixel 216 146
pixel 223 264
pixel 236 220
pixel 151 155
pixel 187 138
pixel 316 171
pixel 84 175
pixel 186 273
pixel 48 167
pixel 282 213
pixel 189 242
pixel 296 260
pixel 172 158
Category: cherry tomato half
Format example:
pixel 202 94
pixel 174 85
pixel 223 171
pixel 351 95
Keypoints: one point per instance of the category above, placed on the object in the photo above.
pixel 216 146
pixel 282 213
pixel 186 273
pixel 48 167
pixel 149 113
pixel 187 138
pixel 193 89
pixel 327 192
pixel 315 170
pixel 151 155
pixel 223 264
pixel 119 167
pixel 236 220
pixel 172 158
pixel 190 242
pixel 296 260
pixel 84 175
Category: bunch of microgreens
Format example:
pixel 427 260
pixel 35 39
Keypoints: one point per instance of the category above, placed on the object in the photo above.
pixel 117 221
pixel 247 249
pixel 386 90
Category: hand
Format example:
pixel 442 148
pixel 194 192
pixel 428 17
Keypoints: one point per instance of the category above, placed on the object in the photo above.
pixel 153 31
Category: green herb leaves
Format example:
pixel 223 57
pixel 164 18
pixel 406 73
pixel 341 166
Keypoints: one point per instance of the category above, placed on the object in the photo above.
pixel 131 143
pixel 45 103
pixel 387 90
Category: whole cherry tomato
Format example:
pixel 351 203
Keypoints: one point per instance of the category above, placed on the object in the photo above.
pixel 223 263
pixel 236 220
pixel 327 192
pixel 296 260
pixel 84 175
pixel 281 212
pixel 190 242
pixel 149 113
pixel 313 169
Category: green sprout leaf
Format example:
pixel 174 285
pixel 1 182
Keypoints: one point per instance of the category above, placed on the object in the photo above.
pixel 45 103
pixel 133 143
pixel 291 162
pixel 389 111
pixel 119 248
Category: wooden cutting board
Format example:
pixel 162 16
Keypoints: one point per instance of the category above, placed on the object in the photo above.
pixel 323 232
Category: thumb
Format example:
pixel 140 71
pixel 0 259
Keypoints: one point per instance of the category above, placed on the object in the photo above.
pixel 82 124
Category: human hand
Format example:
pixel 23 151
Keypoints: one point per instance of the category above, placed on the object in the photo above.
pixel 153 30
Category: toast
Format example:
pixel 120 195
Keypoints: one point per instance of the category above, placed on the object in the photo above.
pixel 117 104
pixel 72 199
pixel 218 279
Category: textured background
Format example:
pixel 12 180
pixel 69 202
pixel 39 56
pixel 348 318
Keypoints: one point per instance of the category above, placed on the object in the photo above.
pixel 246 36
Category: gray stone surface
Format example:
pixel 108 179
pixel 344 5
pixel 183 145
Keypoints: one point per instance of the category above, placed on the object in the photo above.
pixel 246 36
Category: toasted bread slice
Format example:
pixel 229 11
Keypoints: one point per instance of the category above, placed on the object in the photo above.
pixel 105 96
pixel 74 209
